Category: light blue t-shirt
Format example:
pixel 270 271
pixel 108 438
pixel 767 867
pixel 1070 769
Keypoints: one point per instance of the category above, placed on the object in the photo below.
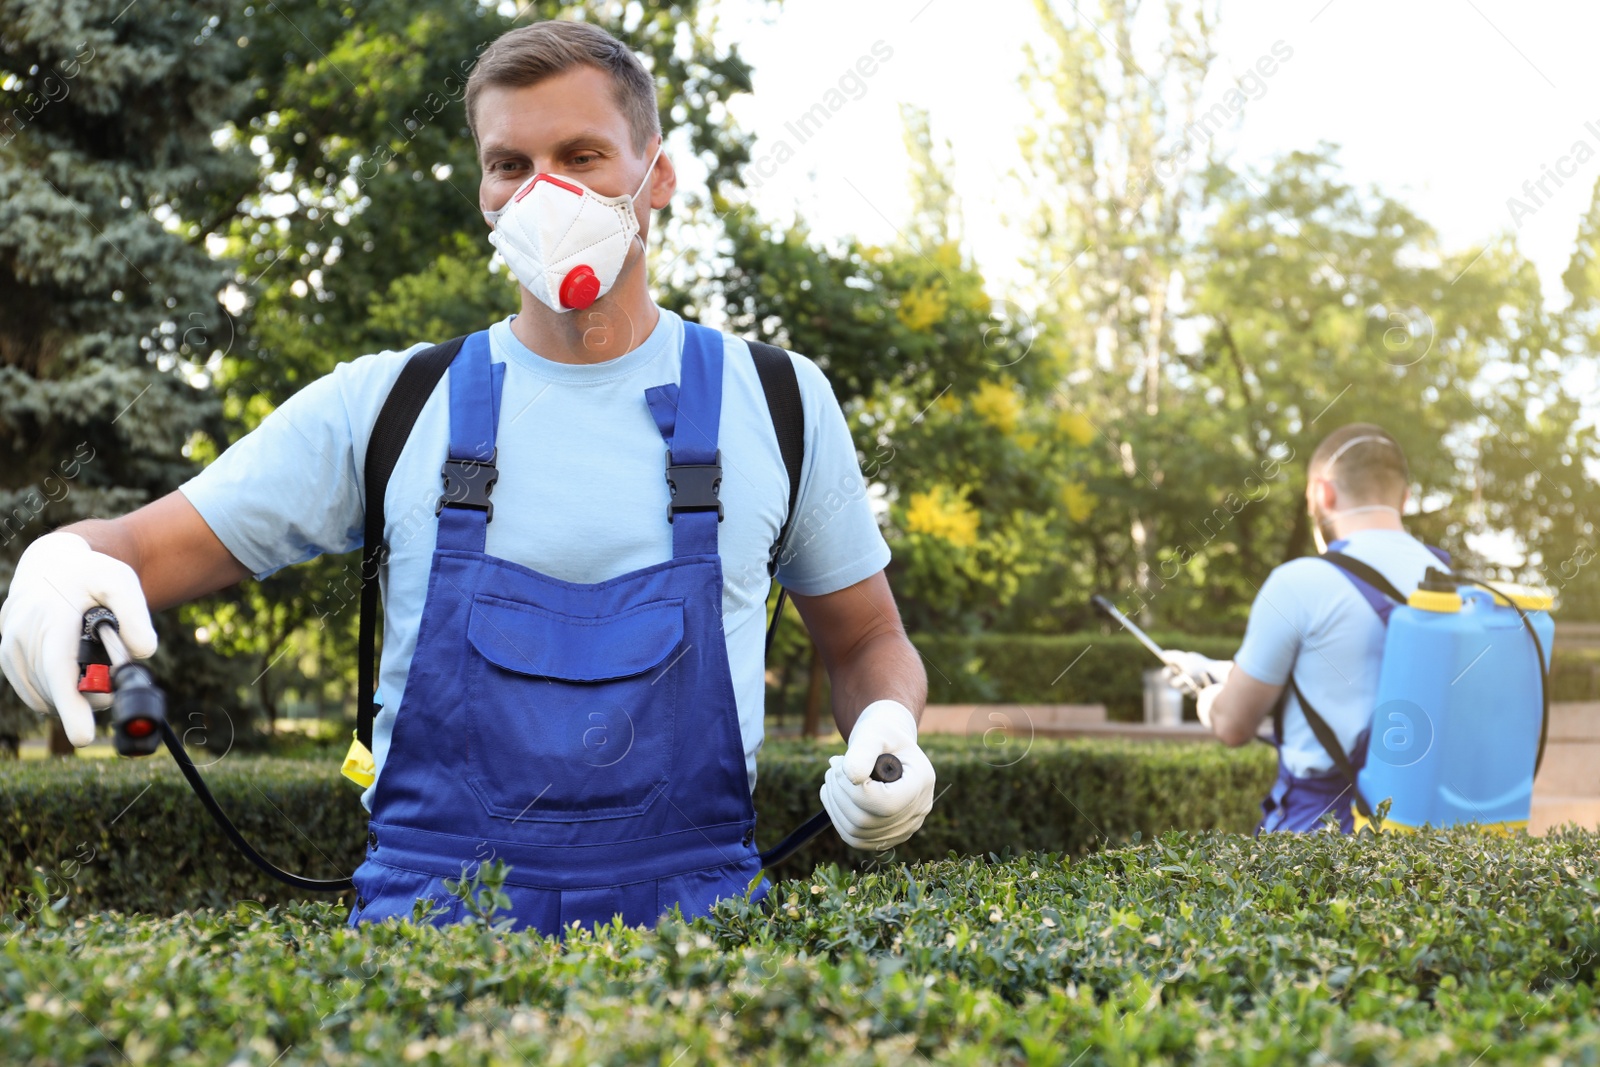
pixel 1310 617
pixel 581 495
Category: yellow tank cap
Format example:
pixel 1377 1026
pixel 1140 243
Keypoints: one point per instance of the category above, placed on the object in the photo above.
pixel 1524 597
pixel 1435 600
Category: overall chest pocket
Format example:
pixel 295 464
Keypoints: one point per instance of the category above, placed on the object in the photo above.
pixel 571 718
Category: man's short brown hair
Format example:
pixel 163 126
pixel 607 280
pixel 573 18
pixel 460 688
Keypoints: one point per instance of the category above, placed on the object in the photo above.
pixel 529 54
pixel 1369 471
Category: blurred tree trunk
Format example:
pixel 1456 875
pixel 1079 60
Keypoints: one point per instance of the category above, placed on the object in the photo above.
pixel 59 745
pixel 814 694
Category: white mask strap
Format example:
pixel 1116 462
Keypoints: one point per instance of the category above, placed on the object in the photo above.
pixel 1363 508
pixel 651 169
pixel 1328 467
pixel 1342 449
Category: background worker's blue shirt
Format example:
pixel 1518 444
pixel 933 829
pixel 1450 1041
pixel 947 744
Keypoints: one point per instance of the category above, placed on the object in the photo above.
pixel 581 496
pixel 1310 616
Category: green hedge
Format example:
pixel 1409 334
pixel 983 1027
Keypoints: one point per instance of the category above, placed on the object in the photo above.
pixel 1440 948
pixel 1575 674
pixel 1107 669
pixel 130 835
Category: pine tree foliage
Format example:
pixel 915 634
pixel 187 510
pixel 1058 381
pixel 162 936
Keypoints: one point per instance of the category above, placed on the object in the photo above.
pixel 110 307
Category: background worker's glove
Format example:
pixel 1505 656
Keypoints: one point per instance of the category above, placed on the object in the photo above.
pixel 1199 671
pixel 879 815
pixel 57 579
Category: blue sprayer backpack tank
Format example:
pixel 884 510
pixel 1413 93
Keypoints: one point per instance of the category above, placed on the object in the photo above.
pixel 1455 731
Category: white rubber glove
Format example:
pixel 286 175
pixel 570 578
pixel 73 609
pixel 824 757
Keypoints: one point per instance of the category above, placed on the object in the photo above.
pixel 57 579
pixel 879 815
pixel 1196 670
pixel 1204 700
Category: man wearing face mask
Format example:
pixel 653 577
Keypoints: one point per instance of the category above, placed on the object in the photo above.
pixel 1316 631
pixel 579 531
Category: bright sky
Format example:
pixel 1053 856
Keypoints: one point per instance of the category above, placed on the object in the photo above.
pixel 1449 105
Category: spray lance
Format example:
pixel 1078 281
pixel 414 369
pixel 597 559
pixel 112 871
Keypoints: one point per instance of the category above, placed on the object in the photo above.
pixel 139 726
pixel 1109 610
pixel 1183 681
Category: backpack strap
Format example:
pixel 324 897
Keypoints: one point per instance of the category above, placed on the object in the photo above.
pixel 1356 569
pixel 1381 594
pixel 1328 740
pixel 389 433
pixel 782 387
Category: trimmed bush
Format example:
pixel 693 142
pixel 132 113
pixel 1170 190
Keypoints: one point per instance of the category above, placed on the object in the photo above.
pixel 1053 795
pixel 130 835
pixel 1446 947
pixel 1108 669
pixel 1575 674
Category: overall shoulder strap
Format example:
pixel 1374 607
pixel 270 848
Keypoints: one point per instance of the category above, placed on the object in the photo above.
pixel 1356 569
pixel 1379 593
pixel 1330 743
pixel 389 433
pixel 782 387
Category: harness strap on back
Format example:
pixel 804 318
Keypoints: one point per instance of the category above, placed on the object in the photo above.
pixel 389 433
pixel 782 388
pixel 1330 742
pixel 1382 596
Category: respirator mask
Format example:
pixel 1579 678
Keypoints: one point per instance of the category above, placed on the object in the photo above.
pixel 565 242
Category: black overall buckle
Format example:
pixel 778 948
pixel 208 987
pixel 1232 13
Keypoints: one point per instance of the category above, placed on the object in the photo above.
pixel 467 484
pixel 694 487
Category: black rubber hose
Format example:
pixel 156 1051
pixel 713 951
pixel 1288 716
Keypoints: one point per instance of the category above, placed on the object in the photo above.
pixel 1544 671
pixel 191 772
pixel 777 614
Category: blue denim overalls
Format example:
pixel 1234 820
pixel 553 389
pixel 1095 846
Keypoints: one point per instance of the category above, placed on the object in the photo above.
pixel 1297 802
pixel 586 734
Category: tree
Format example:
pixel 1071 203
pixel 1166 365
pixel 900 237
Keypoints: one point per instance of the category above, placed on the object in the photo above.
pixel 943 388
pixel 110 316
pixel 1317 304
pixel 1114 155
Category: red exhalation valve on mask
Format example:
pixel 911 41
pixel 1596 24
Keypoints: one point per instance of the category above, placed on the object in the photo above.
pixel 579 288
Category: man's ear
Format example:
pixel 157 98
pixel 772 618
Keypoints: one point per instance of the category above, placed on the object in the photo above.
pixel 1324 494
pixel 664 184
